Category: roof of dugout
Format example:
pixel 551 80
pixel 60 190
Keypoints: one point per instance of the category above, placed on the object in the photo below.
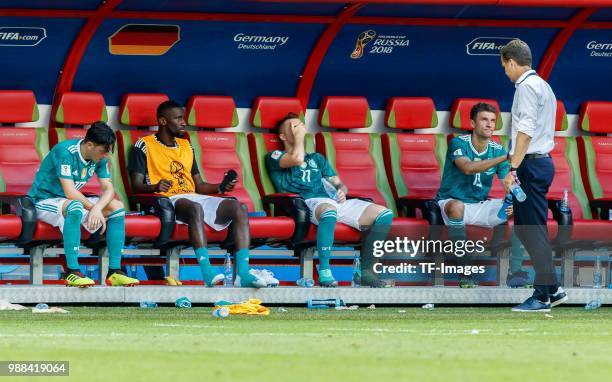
pixel 443 49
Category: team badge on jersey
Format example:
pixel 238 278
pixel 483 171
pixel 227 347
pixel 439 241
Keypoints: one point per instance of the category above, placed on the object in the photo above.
pixel 65 170
pixel 276 154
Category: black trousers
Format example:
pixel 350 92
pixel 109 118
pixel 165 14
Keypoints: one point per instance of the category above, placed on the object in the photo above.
pixel 530 219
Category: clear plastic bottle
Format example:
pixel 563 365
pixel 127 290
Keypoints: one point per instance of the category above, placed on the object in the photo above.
pixel 330 189
pixel 594 304
pixel 609 271
pixel 597 273
pixel 90 271
pixel 146 304
pixel 221 312
pixel 356 280
pixel 564 206
pixel 305 282
pixel 228 271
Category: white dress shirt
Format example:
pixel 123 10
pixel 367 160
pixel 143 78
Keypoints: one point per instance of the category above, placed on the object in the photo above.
pixel 533 113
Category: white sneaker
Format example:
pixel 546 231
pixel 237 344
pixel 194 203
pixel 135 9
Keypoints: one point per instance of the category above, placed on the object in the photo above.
pixel 257 282
pixel 265 275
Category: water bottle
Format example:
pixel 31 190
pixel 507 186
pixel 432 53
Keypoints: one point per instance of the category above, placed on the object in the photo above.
pixel 609 271
pixel 594 304
pixel 42 306
pixel 518 193
pixel 183 303
pixel 228 272
pixel 356 280
pixel 221 312
pixel 148 304
pixel 331 191
pixel 564 206
pixel 597 273
pixel 502 211
pixel 305 282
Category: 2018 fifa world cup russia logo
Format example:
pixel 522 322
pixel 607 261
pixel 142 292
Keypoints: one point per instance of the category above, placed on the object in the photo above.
pixel 362 40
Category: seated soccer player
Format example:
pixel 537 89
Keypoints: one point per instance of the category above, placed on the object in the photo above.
pixel 311 176
pixel 165 164
pixel 55 191
pixel 471 162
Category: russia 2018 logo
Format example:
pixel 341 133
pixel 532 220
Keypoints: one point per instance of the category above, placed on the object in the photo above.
pixel 363 39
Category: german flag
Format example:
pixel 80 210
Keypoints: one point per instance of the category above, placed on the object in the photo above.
pixel 144 40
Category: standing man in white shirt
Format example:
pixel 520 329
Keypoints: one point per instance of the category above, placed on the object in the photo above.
pixel 533 127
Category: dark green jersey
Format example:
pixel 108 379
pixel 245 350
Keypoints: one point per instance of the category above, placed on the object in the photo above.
pixel 470 188
pixel 305 180
pixel 64 161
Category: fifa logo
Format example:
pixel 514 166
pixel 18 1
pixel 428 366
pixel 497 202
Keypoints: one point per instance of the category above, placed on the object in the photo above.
pixel 362 40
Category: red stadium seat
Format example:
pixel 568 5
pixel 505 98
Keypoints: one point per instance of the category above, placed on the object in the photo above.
pixel 81 108
pixel 19 158
pixel 413 161
pixel 460 112
pixel 340 112
pixel 18 106
pixel 357 158
pixel 75 111
pixel 267 111
pixel 21 151
pixel 211 111
pixel 140 110
pixel 596 155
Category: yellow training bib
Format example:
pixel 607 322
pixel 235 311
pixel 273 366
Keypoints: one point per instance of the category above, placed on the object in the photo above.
pixel 170 163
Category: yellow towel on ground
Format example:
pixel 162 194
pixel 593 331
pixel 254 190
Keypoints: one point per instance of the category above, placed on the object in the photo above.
pixel 252 306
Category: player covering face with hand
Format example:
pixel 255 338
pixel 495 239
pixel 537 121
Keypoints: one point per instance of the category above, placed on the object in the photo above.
pixel 311 176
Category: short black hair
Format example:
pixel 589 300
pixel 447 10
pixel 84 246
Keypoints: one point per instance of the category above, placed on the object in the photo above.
pixel 101 134
pixel 518 50
pixel 167 105
pixel 290 115
pixel 481 106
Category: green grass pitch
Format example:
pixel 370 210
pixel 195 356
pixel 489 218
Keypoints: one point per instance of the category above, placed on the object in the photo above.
pixel 446 344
